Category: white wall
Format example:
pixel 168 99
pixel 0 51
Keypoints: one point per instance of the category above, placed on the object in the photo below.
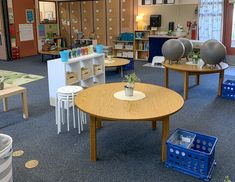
pixel 180 14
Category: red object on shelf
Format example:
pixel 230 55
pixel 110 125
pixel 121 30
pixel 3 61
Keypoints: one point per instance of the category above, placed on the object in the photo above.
pixel 15 53
pixel 12 30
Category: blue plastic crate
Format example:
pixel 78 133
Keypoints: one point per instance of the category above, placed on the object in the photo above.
pixel 127 36
pixel 197 160
pixel 129 66
pixel 228 89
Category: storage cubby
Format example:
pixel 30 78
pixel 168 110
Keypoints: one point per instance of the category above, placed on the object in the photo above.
pixel 141 44
pixel 123 49
pixel 77 71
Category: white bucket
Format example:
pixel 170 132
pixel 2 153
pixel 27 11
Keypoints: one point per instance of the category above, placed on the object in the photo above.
pixel 5 158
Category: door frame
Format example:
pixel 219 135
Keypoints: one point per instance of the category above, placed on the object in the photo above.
pixel 228 20
pixel 7 30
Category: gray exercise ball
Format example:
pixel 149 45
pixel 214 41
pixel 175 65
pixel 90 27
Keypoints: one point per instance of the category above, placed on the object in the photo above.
pixel 213 52
pixel 173 50
pixel 188 46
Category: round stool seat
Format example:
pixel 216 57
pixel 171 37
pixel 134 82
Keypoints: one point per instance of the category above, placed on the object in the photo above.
pixel 69 89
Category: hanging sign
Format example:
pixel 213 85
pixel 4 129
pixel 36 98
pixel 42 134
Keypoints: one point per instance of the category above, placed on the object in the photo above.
pixel 29 16
pixel 26 32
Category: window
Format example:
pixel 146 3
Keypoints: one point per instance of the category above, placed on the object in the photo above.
pixel 211 19
pixel 233 29
pixel 47 12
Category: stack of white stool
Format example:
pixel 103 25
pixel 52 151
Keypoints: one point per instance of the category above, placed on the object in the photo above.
pixel 65 98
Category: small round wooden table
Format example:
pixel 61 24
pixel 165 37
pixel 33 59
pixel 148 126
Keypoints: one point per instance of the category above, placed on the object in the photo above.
pixel 117 62
pixel 196 70
pixel 100 103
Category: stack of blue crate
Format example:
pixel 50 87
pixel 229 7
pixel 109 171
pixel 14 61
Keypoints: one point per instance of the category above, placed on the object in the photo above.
pixel 228 89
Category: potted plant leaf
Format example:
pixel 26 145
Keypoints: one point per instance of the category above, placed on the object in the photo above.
pixel 2 79
pixel 129 87
pixel 195 56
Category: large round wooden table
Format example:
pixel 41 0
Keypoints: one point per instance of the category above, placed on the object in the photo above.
pixel 100 103
pixel 196 70
pixel 117 62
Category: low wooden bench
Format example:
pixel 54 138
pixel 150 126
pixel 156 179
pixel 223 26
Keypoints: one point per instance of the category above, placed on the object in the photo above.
pixel 14 90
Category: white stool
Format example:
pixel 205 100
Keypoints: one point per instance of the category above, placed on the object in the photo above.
pixel 65 98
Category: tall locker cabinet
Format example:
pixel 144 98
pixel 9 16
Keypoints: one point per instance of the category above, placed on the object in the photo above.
pixel 65 22
pixel 87 18
pixel 113 20
pixel 70 21
pixel 75 19
pixel 127 16
pixel 100 21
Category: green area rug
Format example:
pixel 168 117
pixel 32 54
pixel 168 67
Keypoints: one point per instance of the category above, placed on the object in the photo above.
pixel 15 78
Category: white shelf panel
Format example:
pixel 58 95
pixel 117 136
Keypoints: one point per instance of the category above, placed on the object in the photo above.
pixel 57 72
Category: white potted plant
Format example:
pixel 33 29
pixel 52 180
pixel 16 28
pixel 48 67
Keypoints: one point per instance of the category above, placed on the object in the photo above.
pixel 129 87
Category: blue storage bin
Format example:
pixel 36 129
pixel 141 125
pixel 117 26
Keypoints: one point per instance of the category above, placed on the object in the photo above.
pixel 228 89
pixel 124 36
pixel 65 55
pixel 131 37
pixel 197 160
pixel 127 36
pixel 129 66
pixel 99 48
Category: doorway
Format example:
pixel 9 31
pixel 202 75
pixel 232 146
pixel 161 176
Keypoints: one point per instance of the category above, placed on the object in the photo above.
pixel 229 28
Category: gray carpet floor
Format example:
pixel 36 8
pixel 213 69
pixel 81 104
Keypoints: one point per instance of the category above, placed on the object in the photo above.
pixel 127 152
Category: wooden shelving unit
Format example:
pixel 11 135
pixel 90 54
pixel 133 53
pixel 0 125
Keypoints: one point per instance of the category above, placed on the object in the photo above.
pixel 123 49
pixel 141 45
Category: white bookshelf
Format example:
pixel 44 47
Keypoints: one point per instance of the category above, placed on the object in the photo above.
pixel 57 71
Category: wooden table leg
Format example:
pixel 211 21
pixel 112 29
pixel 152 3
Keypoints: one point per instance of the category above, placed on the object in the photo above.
pixel 25 105
pixel 186 79
pixel 92 138
pixel 98 124
pixel 221 80
pixel 5 104
pixel 165 132
pixel 197 79
pixel 154 125
pixel 166 72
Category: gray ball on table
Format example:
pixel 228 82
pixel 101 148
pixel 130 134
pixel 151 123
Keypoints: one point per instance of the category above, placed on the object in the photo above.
pixel 188 46
pixel 173 50
pixel 213 52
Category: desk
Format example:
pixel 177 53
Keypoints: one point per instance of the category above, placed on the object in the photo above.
pixel 55 53
pixel 117 62
pixel 11 91
pixel 196 70
pixel 100 103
